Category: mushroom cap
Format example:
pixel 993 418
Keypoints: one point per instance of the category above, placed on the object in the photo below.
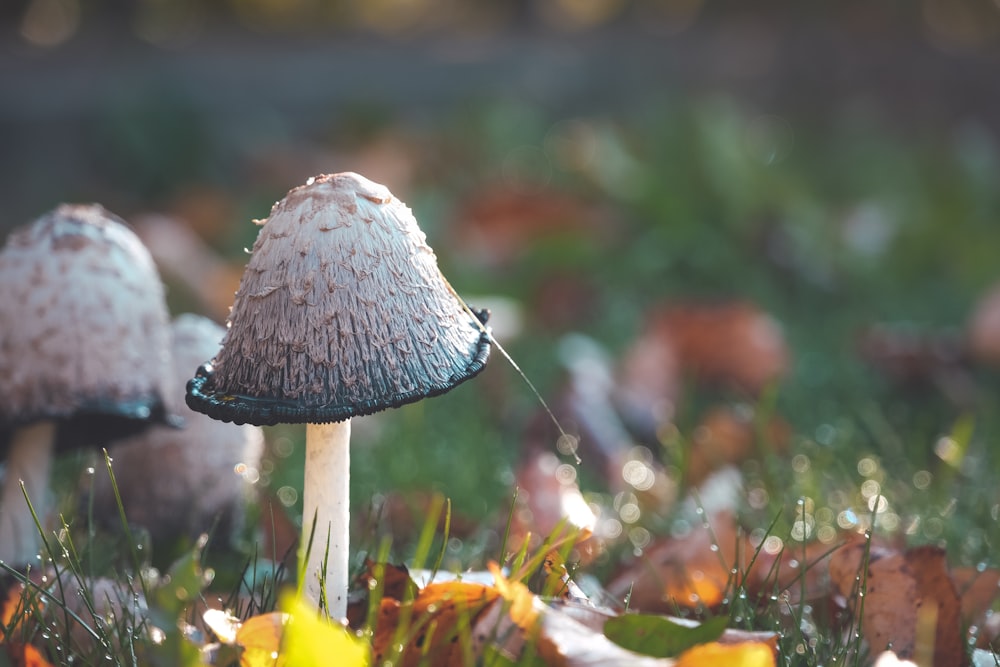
pixel 84 322
pixel 341 312
pixel 180 481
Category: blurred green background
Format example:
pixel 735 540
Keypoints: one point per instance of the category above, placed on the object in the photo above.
pixel 835 163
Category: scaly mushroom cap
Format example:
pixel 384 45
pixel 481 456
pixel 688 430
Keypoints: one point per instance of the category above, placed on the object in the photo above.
pixel 84 327
pixel 342 312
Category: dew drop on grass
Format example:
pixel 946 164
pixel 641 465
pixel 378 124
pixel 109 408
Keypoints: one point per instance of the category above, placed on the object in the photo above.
pixel 714 547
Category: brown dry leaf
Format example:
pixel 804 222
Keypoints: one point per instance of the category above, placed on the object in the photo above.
pixel 495 226
pixel 688 572
pixel 730 344
pixel 649 383
pixel 910 603
pixel 978 590
pixel 728 436
pixel 436 618
pixel 939 608
pixel 888 621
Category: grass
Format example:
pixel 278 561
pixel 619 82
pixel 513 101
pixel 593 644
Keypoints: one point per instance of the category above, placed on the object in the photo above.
pixel 858 223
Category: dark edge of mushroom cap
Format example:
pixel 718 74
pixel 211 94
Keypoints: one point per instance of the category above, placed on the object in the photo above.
pixel 263 411
pixel 91 418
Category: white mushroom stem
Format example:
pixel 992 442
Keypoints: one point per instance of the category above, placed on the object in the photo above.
pixel 29 459
pixel 326 496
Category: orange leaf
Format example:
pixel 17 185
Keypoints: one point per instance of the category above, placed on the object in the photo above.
pixel 748 654
pixel 729 344
pixel 261 635
pixel 521 600
pixel 727 437
pixel 25 655
pixel 433 623
pixel 689 572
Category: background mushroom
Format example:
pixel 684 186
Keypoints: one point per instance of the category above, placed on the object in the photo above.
pixel 341 312
pixel 178 483
pixel 84 353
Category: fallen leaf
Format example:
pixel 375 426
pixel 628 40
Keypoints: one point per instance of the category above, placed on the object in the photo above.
pixel 520 601
pixel 978 590
pixel 261 637
pixel 910 604
pixel 689 571
pixel 939 609
pixel 728 436
pixel 431 626
pixel 887 608
pixel 558 582
pixel 565 642
pixel 397 584
pixel 660 637
pixel 750 654
pixel 729 344
pixel 15 608
pixel 25 655
pixel 307 639
pixel 495 226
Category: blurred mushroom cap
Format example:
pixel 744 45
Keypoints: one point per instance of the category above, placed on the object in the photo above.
pixel 180 481
pixel 342 311
pixel 84 324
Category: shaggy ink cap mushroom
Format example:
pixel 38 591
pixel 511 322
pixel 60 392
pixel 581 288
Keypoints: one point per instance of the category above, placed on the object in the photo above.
pixel 342 312
pixel 84 352
pixel 85 328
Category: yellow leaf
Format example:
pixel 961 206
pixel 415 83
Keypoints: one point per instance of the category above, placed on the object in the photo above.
pixel 261 636
pixel 521 600
pixel 310 641
pixel 747 654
